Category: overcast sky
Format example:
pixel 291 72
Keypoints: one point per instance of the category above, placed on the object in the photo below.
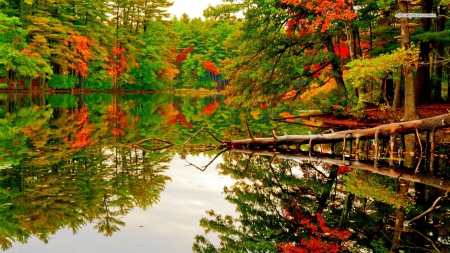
pixel 194 8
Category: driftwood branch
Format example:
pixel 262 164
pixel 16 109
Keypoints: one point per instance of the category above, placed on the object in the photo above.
pixel 409 127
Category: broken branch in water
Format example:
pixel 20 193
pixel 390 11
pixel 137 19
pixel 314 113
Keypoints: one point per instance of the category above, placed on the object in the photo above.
pixel 199 131
pixel 138 144
pixel 204 167
pixel 431 209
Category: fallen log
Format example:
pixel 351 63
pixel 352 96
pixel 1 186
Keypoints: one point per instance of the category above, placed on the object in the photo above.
pixel 408 127
pixel 431 180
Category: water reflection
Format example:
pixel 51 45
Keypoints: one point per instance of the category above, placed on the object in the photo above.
pixel 294 203
pixel 87 161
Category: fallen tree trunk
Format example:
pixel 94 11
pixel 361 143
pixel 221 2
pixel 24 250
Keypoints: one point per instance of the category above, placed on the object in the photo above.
pixel 409 127
pixel 430 180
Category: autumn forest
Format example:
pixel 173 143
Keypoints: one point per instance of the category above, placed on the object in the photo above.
pixel 321 125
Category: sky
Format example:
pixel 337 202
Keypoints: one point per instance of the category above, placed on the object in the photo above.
pixel 194 8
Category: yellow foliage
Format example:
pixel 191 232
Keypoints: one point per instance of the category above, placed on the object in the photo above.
pixel 315 90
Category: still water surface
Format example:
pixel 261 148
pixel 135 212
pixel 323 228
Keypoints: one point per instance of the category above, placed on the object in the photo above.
pixel 94 173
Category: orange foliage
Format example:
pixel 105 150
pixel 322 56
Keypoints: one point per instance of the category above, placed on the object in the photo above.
pixel 325 12
pixel 211 67
pixel 288 116
pixel 314 90
pixel 119 120
pixel 290 94
pixel 209 109
pixel 120 62
pixel 168 73
pixel 81 46
pixel 173 115
pixel 83 131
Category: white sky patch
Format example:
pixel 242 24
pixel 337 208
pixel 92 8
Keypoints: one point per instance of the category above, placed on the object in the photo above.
pixel 194 9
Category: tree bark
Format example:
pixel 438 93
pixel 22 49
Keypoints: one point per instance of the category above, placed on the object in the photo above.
pixel 422 81
pixel 398 88
pixel 409 127
pixel 410 98
pixel 335 64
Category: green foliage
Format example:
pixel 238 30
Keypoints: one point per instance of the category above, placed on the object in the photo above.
pixel 374 186
pixel 368 75
pixel 97 84
pixel 61 82
pixel 62 101
pixel 378 246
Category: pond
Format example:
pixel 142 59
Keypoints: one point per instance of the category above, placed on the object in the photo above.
pixel 128 173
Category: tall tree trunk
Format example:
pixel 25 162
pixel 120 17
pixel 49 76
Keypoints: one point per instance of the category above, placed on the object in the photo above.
pixel 81 81
pixel 322 198
pixel 410 98
pixel 437 85
pixel 336 66
pixel 398 88
pixel 422 82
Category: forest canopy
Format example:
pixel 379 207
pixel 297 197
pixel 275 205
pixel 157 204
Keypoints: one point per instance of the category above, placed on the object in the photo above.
pixel 361 52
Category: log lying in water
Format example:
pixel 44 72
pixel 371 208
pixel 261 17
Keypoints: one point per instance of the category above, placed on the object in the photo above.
pixel 431 180
pixel 427 124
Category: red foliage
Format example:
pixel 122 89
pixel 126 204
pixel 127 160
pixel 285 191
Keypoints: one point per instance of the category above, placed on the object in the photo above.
pixel 211 67
pixel 182 56
pixel 173 114
pixel 343 169
pixel 83 131
pixel 209 109
pixel 120 62
pixel 119 120
pixel 342 49
pixel 81 46
pixel 325 12
pixel 322 239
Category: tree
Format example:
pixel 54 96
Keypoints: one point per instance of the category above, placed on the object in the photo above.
pixel 277 45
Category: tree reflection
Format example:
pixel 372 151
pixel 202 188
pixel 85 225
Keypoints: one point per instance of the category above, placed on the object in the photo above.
pixel 68 168
pixel 291 205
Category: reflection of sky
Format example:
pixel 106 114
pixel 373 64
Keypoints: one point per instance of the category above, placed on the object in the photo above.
pixel 169 226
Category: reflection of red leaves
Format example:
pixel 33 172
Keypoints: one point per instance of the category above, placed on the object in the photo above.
pixel 321 238
pixel 173 114
pixel 209 109
pixel 119 121
pixel 343 169
pixel 82 138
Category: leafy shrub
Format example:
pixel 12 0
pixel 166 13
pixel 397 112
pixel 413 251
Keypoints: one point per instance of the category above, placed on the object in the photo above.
pixel 96 84
pixel 61 82
pixel 3 86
